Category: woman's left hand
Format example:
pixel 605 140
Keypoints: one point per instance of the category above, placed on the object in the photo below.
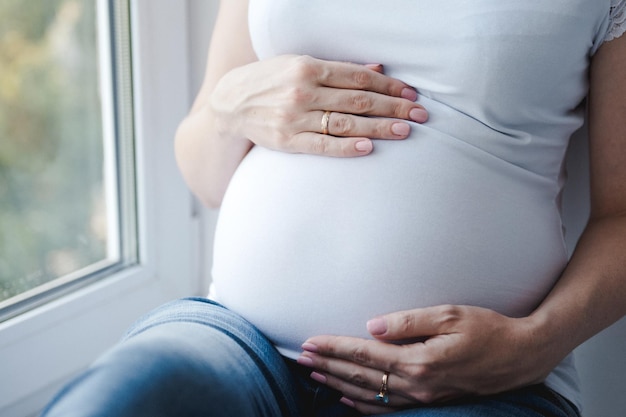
pixel 462 351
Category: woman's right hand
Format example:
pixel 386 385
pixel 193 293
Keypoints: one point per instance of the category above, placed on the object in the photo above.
pixel 279 103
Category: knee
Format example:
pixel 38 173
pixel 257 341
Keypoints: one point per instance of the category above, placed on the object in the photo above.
pixel 156 373
pixel 159 359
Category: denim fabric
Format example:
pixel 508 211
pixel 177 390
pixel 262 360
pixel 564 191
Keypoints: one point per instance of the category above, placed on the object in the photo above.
pixel 533 401
pixel 193 358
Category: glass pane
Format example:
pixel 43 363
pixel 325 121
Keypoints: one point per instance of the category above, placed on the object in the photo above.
pixel 58 201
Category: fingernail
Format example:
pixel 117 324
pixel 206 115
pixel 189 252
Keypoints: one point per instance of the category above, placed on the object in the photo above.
pixel 363 146
pixel 309 347
pixel 400 129
pixel 375 67
pixel 418 115
pixel 318 377
pixel 377 326
pixel 305 361
pixel 347 402
pixel 409 94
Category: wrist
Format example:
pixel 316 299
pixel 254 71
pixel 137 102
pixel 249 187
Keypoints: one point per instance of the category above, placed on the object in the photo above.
pixel 224 109
pixel 550 335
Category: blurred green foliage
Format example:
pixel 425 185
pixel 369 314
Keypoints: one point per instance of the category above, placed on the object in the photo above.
pixel 51 150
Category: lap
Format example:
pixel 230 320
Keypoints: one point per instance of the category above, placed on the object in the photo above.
pixel 193 358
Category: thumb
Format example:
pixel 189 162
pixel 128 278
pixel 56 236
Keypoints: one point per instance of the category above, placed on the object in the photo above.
pixel 410 325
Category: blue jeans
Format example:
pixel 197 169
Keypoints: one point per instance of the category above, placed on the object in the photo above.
pixel 193 358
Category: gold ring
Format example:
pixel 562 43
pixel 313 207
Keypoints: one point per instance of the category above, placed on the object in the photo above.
pixel 383 396
pixel 325 120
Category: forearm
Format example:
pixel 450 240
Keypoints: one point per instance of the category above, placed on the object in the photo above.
pixel 206 152
pixel 591 294
pixel 206 156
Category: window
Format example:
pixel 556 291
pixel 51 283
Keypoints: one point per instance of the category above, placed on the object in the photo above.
pixel 67 212
pixel 134 244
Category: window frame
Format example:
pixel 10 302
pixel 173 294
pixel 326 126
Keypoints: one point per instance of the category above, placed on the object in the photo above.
pixel 43 348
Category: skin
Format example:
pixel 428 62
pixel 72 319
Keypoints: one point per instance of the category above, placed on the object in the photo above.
pixel 278 103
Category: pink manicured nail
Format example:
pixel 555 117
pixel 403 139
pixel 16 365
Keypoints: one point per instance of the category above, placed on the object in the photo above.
pixel 305 361
pixel 400 129
pixel 318 377
pixel 409 94
pixel 377 326
pixel 309 347
pixel 347 402
pixel 375 67
pixel 363 146
pixel 418 115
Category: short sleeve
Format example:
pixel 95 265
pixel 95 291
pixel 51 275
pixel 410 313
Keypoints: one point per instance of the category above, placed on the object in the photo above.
pixel 617 20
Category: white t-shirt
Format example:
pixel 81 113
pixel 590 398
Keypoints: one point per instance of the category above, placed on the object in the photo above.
pixel 464 211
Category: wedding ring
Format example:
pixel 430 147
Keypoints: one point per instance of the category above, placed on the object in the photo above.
pixel 325 120
pixel 383 396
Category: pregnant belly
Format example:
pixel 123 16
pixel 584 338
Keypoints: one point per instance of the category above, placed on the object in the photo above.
pixel 309 245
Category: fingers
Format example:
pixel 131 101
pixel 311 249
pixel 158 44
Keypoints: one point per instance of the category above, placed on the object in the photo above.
pixel 347 134
pixel 366 408
pixel 370 104
pixel 367 394
pixel 356 382
pixel 344 125
pixel 358 89
pixel 356 77
pixel 318 144
pixel 361 385
pixel 367 353
pixel 415 324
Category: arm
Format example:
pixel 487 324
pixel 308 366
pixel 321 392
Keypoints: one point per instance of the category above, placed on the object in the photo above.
pixel 279 103
pixel 591 294
pixel 206 160
pixel 472 350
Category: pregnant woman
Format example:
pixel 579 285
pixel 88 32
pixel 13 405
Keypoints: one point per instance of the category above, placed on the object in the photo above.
pixel 389 240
